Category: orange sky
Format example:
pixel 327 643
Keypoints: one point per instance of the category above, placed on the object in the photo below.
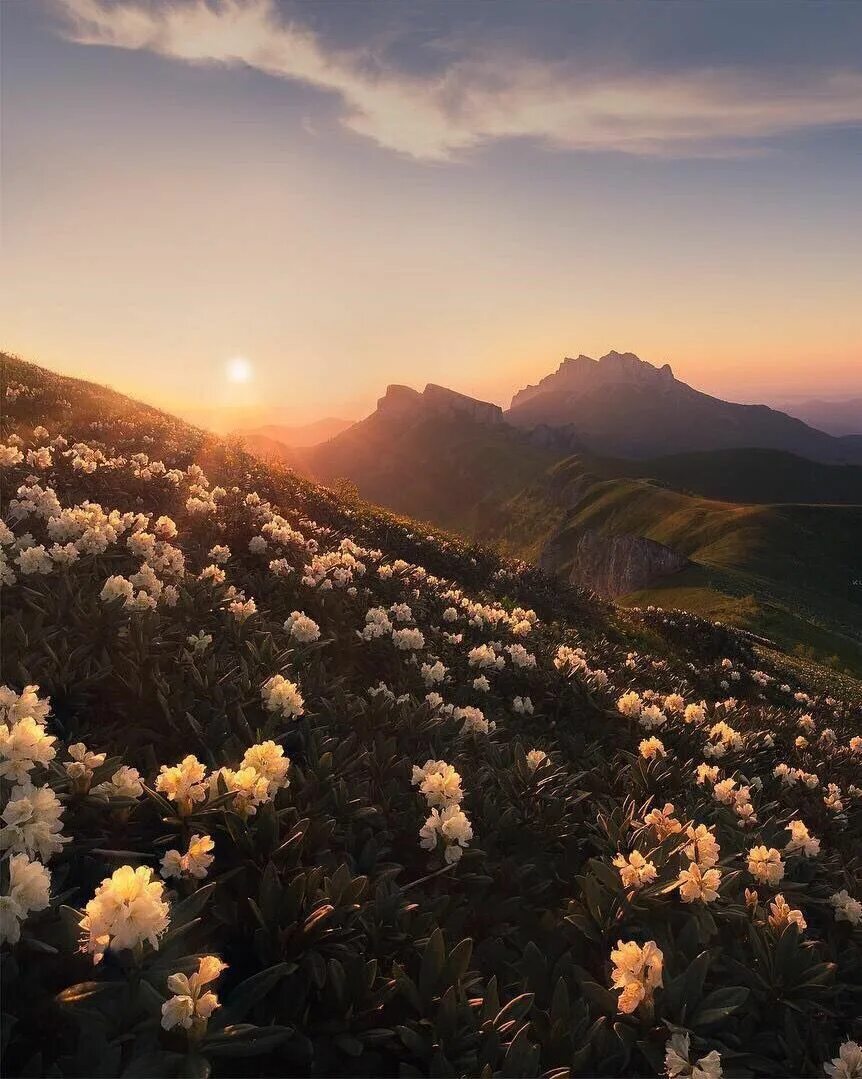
pixel 161 216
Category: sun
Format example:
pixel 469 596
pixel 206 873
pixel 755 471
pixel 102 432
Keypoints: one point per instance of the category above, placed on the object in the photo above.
pixel 239 369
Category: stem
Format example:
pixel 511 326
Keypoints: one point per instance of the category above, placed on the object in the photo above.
pixel 430 876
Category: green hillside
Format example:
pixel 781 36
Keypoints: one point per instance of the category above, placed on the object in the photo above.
pixel 438 468
pixel 785 571
pixel 743 475
pixel 291 788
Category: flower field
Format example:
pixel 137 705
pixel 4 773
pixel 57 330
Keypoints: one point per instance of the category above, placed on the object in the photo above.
pixel 290 786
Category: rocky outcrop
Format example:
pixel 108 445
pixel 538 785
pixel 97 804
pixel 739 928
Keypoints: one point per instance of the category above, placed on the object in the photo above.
pixel 403 402
pixel 610 565
pixel 399 401
pixel 563 440
pixel 448 401
pixel 581 374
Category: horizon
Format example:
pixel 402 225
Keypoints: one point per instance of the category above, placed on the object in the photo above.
pixel 213 207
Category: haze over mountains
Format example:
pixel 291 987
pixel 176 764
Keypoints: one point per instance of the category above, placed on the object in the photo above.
pixel 624 406
pixel 274 439
pixel 842 416
pixel 614 474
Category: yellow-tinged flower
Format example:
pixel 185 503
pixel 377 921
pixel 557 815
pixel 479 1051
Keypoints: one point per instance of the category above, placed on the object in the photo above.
pixel 189 1004
pixel 703 848
pixel 269 761
pixel 635 871
pixel 696 884
pixel 848 1063
pixel 439 782
pixel 677 1062
pixel 127 909
pixel 781 914
pixel 765 865
pixel 183 783
pixel 663 822
pixel 637 973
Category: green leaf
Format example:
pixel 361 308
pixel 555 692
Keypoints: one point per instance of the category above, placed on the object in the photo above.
pixel 244 1039
pixel 719 1005
pixel 244 997
pixel 433 960
pixel 77 994
pixel 516 1009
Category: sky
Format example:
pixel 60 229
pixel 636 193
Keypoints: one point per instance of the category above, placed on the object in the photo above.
pixel 272 210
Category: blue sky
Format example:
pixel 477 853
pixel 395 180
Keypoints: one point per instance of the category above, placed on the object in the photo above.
pixel 351 194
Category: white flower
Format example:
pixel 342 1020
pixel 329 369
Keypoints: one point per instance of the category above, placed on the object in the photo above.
pixel 282 696
pixel 29 890
pixel 474 720
pixel 127 909
pixel 23 747
pixel 183 783
pixel 847 909
pixel 34 560
pixel 536 758
pixel 269 761
pixel 194 863
pixel 408 639
pixel 439 782
pixel 189 1004
pixel 800 841
pixel 452 826
pixel 302 628
pixel 696 883
pixel 629 705
pixel 765 865
pixel 637 972
pixel 848 1063
pixel 677 1063
pixel 32 822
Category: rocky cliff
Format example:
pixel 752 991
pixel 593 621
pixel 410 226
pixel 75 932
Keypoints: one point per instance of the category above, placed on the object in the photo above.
pixel 580 374
pixel 611 565
pixel 403 402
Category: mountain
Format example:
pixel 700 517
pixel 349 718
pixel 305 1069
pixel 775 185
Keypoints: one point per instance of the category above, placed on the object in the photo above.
pixel 623 406
pixel 751 533
pixel 434 455
pixel 744 475
pixel 293 436
pixel 380 791
pixel 836 417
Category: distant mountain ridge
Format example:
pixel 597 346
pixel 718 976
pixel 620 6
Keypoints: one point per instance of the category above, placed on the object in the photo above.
pixel 297 435
pixel 576 476
pixel 842 418
pixel 620 405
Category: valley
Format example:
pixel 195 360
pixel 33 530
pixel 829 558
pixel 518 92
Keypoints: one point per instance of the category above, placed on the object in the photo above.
pixel 766 538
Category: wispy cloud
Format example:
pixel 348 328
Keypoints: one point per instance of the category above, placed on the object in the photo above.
pixel 482 95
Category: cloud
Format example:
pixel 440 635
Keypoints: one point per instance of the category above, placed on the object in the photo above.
pixel 483 95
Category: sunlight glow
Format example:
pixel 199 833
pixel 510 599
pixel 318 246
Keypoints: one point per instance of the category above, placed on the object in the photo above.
pixel 239 369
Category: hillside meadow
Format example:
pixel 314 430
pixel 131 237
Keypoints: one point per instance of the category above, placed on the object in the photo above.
pixel 291 786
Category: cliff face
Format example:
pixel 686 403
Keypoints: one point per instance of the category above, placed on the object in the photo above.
pixel 580 374
pixel 404 402
pixel 448 401
pixel 612 565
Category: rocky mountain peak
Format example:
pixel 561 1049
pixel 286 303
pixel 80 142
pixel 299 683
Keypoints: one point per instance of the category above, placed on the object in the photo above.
pixel 445 400
pixel 579 374
pixel 399 399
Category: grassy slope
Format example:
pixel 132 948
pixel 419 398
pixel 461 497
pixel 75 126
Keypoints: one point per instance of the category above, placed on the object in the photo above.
pixel 784 571
pixel 436 469
pixel 747 475
pixel 780 570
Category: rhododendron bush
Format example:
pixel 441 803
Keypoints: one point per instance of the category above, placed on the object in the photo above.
pixel 290 786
